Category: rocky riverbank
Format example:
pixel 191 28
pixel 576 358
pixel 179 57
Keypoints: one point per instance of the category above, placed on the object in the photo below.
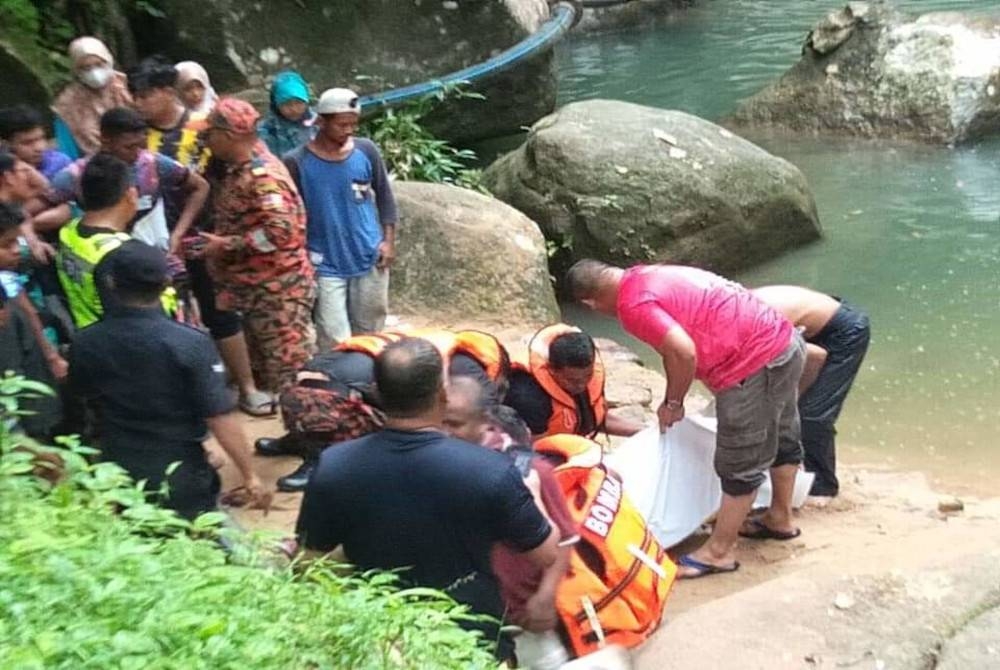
pixel 880 578
pixel 871 71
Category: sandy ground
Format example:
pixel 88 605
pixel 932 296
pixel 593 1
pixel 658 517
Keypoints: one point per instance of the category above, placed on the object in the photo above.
pixel 882 518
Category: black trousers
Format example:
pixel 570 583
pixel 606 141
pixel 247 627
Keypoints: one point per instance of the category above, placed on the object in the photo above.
pixel 845 339
pixel 192 489
pixel 220 323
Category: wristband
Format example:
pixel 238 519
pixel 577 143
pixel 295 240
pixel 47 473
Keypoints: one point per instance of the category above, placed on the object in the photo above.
pixel 674 404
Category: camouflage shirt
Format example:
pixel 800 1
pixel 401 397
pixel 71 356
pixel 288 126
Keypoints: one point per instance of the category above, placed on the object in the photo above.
pixel 257 207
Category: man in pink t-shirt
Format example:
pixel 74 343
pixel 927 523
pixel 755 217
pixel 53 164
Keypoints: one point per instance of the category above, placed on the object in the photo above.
pixel 708 328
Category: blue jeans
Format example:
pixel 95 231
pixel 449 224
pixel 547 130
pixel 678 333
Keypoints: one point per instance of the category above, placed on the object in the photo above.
pixel 845 339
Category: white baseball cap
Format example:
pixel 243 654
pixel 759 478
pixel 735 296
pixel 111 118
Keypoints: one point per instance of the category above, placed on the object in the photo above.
pixel 338 101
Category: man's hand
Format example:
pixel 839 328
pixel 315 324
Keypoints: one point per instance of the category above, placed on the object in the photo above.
pixel 43 252
pixel 175 244
pixel 386 254
pixel 540 613
pixel 669 413
pixel 252 494
pixel 215 245
pixel 57 366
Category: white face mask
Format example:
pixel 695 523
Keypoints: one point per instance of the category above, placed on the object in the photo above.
pixel 96 78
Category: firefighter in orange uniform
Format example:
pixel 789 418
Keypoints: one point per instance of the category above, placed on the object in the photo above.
pixel 559 389
pixel 334 398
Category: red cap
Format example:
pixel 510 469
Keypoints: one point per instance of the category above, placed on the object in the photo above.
pixel 233 114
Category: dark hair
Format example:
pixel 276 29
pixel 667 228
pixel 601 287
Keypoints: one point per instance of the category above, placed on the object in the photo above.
pixel 120 121
pixel 509 421
pixel 409 375
pixel 571 350
pixel 153 72
pixel 136 294
pixel 19 119
pixel 583 279
pixel 11 216
pixel 104 182
pixel 7 162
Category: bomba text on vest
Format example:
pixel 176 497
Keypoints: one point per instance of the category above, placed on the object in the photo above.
pixel 602 513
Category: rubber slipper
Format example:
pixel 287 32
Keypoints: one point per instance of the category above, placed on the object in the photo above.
pixel 704 569
pixel 258 403
pixel 762 532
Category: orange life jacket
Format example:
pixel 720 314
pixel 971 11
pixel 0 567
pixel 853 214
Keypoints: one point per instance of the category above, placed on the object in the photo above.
pixel 369 344
pixel 565 417
pixel 484 348
pixel 617 567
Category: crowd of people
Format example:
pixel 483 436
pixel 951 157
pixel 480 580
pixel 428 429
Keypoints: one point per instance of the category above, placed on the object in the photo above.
pixel 170 257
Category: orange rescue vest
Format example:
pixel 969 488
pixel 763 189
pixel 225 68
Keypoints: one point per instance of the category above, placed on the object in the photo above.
pixel 617 568
pixel 369 344
pixel 565 418
pixel 484 348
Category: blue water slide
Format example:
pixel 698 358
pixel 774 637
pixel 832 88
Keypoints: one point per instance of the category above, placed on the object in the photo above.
pixel 564 16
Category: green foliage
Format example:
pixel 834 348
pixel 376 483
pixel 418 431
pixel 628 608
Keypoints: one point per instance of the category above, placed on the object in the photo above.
pixel 413 153
pixel 93 576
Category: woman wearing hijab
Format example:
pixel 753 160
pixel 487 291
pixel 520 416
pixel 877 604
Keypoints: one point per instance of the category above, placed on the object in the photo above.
pixel 195 88
pixel 96 88
pixel 291 122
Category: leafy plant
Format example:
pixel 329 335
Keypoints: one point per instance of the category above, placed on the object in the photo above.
pixel 94 576
pixel 413 153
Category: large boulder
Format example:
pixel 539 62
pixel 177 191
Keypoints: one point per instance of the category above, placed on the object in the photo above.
pixel 630 184
pixel 867 70
pixel 369 45
pixel 468 257
pixel 608 16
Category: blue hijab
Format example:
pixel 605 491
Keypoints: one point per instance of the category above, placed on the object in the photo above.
pixel 278 133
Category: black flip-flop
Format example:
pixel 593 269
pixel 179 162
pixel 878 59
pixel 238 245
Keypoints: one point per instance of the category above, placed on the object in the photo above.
pixel 704 569
pixel 762 532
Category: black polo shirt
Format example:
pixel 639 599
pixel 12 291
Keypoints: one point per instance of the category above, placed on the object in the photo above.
pixel 425 503
pixel 152 383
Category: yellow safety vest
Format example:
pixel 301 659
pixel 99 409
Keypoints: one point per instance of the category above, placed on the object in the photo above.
pixel 75 263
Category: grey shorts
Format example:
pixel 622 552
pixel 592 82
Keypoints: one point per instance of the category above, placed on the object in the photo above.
pixel 759 422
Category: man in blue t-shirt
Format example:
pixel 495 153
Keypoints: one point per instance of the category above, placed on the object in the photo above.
pixel 351 226
pixel 410 498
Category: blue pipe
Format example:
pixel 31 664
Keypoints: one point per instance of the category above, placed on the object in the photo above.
pixel 564 16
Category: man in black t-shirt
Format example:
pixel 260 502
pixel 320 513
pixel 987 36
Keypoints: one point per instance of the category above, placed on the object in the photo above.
pixel 157 388
pixel 409 497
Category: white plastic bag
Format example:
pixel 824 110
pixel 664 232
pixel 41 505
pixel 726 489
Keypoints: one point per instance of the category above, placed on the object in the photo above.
pixel 672 480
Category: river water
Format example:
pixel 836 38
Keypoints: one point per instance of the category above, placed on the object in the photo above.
pixel 912 233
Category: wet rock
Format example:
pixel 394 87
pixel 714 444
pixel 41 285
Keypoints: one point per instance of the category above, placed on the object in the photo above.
pixel 611 350
pixel 868 70
pixel 369 45
pixel 836 28
pixel 466 256
pixel 631 14
pixel 690 191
